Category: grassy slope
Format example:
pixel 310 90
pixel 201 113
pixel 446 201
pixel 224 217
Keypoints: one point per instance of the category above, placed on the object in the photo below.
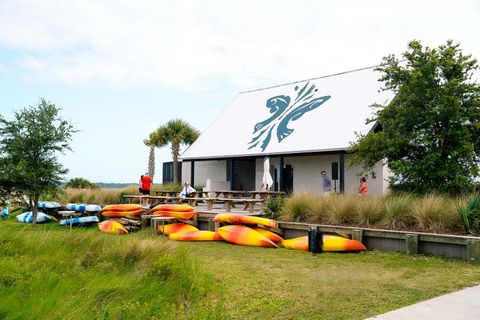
pixel 285 284
pixel 137 277
pixel 52 274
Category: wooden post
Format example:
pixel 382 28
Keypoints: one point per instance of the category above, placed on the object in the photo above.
pixel 411 244
pixel 211 225
pixel 357 235
pixel 473 251
pixel 216 226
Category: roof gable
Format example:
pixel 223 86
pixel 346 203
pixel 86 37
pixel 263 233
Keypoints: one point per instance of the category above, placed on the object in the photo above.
pixel 314 115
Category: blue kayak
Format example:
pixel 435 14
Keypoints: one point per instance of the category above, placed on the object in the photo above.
pixel 78 220
pixel 82 207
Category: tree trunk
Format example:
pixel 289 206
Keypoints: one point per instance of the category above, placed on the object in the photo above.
pixel 175 152
pixel 35 211
pixel 151 162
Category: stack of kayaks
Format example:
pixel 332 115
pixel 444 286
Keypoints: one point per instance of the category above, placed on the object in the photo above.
pixel 179 211
pixel 119 214
pixel 122 210
pixel 182 231
pixel 248 230
pixel 27 217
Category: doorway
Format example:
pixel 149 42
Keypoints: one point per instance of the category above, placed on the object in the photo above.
pixel 244 174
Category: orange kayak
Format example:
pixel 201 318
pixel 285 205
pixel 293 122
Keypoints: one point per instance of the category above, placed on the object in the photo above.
pixel 195 236
pixel 269 234
pixel 122 207
pixel 330 243
pixel 244 236
pixel 112 227
pixel 241 219
pixel 176 214
pixel 173 207
pixel 116 214
pixel 175 228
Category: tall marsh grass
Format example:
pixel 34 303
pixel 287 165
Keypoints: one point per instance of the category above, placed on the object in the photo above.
pixel 431 213
pixel 47 274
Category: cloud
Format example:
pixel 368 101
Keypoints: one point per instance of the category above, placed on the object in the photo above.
pixel 198 45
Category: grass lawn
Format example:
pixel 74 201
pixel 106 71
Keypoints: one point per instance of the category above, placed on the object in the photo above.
pixel 90 275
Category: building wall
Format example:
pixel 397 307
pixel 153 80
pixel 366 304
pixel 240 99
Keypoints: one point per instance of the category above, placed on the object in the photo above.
pixel 215 170
pixel 306 173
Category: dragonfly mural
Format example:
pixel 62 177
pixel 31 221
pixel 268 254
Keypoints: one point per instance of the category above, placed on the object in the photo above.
pixel 283 113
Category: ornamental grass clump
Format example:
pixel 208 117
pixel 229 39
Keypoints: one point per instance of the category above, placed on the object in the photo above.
pixel 342 209
pixel 369 210
pixel 397 212
pixel 431 213
pixel 298 208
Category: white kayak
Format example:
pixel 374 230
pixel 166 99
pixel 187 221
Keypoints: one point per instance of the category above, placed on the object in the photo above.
pixel 48 205
pixel 82 207
pixel 27 217
pixel 78 220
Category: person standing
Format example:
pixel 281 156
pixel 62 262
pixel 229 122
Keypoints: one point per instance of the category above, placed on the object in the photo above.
pixel 363 187
pixel 326 183
pixel 146 184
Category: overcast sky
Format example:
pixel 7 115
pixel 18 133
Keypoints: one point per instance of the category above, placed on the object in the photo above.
pixel 119 69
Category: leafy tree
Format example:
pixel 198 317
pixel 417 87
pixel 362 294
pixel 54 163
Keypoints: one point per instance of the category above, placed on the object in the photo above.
pixel 429 133
pixel 29 146
pixel 80 183
pixel 176 132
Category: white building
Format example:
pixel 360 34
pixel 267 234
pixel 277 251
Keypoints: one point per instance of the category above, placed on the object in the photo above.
pixel 304 127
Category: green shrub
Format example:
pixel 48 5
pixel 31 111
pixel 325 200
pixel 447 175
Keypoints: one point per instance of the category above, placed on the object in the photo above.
pixel 273 207
pixel 470 214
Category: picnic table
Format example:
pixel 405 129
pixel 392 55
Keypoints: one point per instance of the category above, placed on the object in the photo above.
pixel 266 194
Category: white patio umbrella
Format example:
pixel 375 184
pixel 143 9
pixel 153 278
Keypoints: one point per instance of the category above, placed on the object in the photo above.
pixel 267 180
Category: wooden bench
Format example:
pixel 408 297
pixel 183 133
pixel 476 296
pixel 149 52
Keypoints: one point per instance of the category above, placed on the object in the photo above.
pixel 249 204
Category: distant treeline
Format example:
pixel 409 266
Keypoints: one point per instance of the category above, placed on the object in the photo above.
pixel 106 185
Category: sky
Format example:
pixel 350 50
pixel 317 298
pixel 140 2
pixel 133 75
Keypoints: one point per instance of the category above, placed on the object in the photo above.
pixel 121 68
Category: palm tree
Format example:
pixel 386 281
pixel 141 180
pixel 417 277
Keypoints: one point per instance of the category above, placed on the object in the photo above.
pixel 175 132
pixel 151 158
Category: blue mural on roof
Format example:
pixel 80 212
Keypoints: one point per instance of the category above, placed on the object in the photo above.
pixel 283 113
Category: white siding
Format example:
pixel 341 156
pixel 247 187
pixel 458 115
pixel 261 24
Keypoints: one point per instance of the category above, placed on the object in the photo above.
pixel 306 173
pixel 215 170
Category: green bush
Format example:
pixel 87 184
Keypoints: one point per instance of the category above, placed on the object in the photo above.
pixel 470 214
pixel 273 207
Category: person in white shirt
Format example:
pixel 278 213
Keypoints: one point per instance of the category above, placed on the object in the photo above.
pixel 187 191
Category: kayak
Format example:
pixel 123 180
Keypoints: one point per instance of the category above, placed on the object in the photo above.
pixel 122 207
pixel 241 219
pixel 173 207
pixel 48 205
pixel 176 214
pixel 82 207
pixel 330 243
pixel 246 236
pixel 113 227
pixel 117 214
pixel 79 220
pixel 176 227
pixel 195 236
pixel 27 217
pixel 269 234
